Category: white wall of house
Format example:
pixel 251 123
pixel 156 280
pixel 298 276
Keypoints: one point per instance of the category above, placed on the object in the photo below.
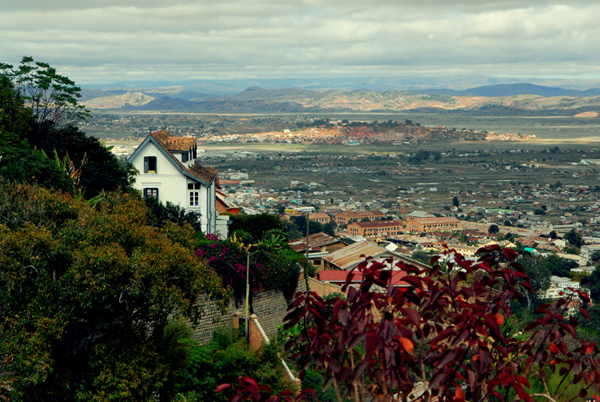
pixel 172 186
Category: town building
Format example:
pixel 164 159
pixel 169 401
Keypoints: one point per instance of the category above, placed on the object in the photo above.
pixel 344 218
pixel 434 224
pixel 375 229
pixel 319 246
pixel 349 257
pixel 319 217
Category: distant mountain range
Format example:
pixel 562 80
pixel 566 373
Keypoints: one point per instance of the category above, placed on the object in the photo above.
pixel 500 90
pixel 502 99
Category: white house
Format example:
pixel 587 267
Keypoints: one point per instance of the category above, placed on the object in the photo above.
pixel 168 172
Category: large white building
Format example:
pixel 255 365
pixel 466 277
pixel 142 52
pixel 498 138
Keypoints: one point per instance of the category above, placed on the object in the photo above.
pixel 168 172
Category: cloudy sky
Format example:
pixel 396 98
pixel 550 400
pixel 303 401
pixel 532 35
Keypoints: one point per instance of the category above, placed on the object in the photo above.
pixel 94 41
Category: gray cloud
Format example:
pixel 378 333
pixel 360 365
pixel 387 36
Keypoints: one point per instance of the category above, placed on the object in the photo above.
pixel 110 40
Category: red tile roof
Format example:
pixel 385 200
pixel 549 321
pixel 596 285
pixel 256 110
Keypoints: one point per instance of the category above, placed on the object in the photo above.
pixel 339 277
pixel 203 173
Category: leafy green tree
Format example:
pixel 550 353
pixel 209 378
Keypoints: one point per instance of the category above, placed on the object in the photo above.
pixel 51 96
pixel 24 165
pixel 160 214
pixel 574 238
pixel 560 266
pixel 14 117
pixel 493 229
pixel 595 257
pixel 537 271
pixel 37 106
pixel 455 202
pixel 256 225
pixel 86 294
pixel 300 225
pixel 593 283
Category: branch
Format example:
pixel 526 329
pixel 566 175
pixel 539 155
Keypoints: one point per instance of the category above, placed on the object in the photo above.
pixel 543 396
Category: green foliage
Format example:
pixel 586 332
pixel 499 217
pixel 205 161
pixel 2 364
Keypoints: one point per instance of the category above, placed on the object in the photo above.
pixel 273 265
pixel 299 223
pixel 242 235
pixel 595 257
pixel 53 97
pixel 161 213
pixel 14 117
pixel 574 238
pixel 560 266
pixel 493 229
pixel 315 380
pixel 224 359
pixel 593 283
pixel 27 166
pixel 256 225
pixel 421 256
pixel 86 294
pixel 537 270
pixel 37 106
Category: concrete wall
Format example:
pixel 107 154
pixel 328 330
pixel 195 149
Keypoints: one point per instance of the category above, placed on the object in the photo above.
pixel 323 288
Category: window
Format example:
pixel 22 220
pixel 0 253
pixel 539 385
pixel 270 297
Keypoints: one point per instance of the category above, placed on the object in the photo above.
pixel 151 193
pixel 184 157
pixel 194 193
pixel 149 164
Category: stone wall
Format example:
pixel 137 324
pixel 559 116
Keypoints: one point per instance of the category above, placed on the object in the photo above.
pixel 270 307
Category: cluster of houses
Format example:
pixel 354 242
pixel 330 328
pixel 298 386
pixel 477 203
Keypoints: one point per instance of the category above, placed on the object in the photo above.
pixel 169 172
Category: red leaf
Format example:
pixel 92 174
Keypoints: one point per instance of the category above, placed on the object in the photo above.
pixel 222 387
pixel 408 345
pixel 459 394
pixel 584 313
pixel 553 348
pixel 412 314
pixel 471 375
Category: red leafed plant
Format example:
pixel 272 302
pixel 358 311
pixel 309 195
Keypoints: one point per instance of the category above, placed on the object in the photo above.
pixel 249 390
pixel 443 335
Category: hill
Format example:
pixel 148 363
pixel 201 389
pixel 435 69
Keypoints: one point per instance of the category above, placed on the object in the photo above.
pixel 504 99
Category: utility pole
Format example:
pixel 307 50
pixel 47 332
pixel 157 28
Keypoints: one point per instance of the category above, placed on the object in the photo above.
pixel 307 234
pixel 247 295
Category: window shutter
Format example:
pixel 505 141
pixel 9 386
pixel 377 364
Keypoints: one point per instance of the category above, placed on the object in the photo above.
pixel 145 164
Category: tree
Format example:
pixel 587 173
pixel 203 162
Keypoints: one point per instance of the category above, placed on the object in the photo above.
pixel 450 334
pixel 256 225
pixel 86 293
pixel 493 229
pixel 595 257
pixel 455 202
pixel 51 96
pixel 574 238
pixel 36 108
pixel 539 276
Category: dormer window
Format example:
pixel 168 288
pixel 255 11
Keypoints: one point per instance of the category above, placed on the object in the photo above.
pixel 149 164
pixel 184 157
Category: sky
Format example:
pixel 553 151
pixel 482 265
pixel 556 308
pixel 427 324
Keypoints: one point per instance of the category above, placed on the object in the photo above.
pixel 106 41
